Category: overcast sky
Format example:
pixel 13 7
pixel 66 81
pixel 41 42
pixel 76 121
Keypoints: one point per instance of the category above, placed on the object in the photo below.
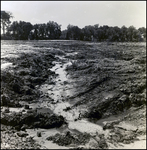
pixel 80 13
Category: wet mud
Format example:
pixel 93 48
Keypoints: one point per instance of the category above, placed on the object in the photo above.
pixel 71 94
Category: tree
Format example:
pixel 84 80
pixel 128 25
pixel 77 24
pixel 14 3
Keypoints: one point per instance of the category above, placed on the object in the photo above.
pixel 63 34
pixel 35 32
pixel 116 33
pixel 53 30
pixel 130 32
pixel 26 28
pixel 100 34
pixel 42 31
pixel 110 34
pixel 73 32
pixel 142 31
pixel 96 28
pixel 136 36
pixel 5 20
pixel 89 32
pixel 123 32
pixel 13 29
pixel 20 30
pixel 69 34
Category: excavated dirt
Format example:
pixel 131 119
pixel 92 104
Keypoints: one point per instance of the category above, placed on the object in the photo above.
pixel 73 95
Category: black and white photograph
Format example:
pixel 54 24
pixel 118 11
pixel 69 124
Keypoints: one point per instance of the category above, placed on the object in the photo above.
pixel 73 75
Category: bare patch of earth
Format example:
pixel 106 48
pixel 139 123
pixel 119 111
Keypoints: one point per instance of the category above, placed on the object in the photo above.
pixel 71 94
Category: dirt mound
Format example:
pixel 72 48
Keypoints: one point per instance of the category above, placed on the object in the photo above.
pixel 18 83
pixel 78 139
pixel 33 119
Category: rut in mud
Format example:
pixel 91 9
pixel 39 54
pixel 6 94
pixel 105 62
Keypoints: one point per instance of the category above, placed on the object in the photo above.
pixel 71 94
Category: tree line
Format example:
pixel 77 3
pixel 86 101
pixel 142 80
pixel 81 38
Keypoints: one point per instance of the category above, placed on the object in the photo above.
pixel 104 33
pixel 51 30
pixel 25 30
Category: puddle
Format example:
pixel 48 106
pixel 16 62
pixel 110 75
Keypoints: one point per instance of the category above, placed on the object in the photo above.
pixel 126 126
pixel 68 115
pixel 12 109
pixel 5 65
pixel 86 126
pixel 9 55
pixel 62 88
pixel 72 54
pixel 60 70
pixel 112 118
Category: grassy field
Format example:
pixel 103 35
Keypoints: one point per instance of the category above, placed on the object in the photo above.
pixel 63 85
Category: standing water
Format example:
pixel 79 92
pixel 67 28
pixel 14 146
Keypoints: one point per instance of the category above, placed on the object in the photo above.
pixel 62 90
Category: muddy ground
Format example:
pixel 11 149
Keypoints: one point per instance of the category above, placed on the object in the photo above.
pixel 73 95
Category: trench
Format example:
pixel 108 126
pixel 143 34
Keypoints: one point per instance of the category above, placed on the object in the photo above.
pixel 59 93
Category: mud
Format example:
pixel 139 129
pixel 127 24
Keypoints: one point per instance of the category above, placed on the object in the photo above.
pixel 74 95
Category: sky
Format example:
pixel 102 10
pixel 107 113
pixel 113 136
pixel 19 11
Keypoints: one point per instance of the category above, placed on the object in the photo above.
pixel 79 13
